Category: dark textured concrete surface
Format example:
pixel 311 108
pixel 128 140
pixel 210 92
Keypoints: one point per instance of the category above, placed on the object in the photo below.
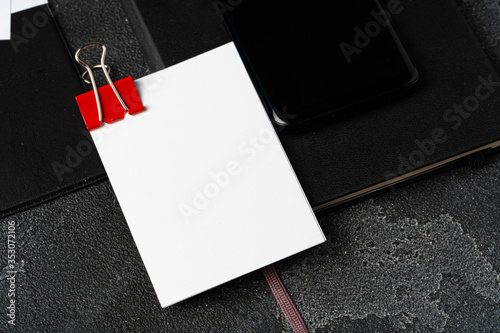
pixel 423 258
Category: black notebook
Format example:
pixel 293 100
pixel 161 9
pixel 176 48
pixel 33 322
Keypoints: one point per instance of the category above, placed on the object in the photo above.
pixel 453 113
pixel 45 148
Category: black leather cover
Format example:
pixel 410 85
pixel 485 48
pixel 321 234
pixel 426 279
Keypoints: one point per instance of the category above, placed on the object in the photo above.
pixel 44 151
pixel 177 30
pixel 374 146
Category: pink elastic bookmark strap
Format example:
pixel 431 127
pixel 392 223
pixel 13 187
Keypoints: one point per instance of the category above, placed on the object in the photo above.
pixel 284 300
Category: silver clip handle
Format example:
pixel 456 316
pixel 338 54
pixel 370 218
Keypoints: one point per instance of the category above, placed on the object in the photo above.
pixel 105 68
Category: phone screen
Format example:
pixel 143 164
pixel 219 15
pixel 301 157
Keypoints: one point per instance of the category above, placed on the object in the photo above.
pixel 312 61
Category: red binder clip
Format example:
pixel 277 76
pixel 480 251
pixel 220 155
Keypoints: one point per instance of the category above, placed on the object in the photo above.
pixel 111 101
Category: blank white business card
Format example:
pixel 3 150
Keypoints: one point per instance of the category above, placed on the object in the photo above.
pixel 202 179
pixel 19 5
pixel 5 14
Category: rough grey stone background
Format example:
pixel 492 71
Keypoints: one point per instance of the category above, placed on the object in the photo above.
pixel 424 258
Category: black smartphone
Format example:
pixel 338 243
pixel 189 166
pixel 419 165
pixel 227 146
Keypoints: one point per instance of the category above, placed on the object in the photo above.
pixel 313 62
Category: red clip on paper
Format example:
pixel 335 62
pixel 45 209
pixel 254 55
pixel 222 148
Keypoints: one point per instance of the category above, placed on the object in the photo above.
pixel 111 108
pixel 110 102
